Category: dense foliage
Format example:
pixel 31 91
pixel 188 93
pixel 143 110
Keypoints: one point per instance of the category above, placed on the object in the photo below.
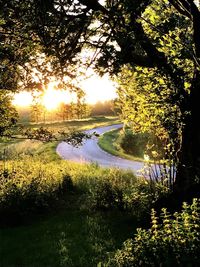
pixel 140 144
pixel 32 185
pixel 27 187
pixel 8 114
pixel 148 99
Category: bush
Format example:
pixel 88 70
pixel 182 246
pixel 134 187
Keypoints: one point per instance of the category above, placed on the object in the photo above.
pixel 114 189
pixel 138 144
pixel 134 143
pixel 106 189
pixel 29 186
pixel 107 196
pixel 33 186
pixel 173 242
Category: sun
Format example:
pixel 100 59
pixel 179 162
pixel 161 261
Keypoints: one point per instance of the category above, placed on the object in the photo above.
pixel 96 89
pixel 52 97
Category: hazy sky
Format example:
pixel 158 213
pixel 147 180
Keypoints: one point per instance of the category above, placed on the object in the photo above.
pixel 96 89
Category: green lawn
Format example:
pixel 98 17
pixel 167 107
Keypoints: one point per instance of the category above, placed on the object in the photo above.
pixel 68 238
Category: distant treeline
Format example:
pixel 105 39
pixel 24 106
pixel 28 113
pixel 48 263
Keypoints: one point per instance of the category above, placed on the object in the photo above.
pixel 38 113
pixel 103 108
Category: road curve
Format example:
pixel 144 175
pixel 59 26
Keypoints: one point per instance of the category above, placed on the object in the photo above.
pixel 91 152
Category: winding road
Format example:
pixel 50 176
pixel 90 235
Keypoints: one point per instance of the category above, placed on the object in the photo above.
pixel 91 152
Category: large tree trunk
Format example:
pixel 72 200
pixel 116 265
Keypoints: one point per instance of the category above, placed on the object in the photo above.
pixel 187 183
pixel 188 172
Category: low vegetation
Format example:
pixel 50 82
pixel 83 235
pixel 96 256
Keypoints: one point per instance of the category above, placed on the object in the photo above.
pixel 132 146
pixel 171 241
pixel 80 214
pixel 66 238
pixel 32 185
pixel 76 212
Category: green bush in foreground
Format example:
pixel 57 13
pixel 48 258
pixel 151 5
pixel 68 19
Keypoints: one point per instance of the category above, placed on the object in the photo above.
pixel 28 186
pixel 125 192
pixel 173 242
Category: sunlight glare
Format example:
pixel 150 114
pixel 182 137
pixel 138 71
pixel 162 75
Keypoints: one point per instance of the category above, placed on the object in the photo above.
pixel 52 97
pixel 23 99
pixel 98 89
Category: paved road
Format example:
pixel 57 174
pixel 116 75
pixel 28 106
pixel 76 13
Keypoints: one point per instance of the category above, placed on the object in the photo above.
pixel 91 152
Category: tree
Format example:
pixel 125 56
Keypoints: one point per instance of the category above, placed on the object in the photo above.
pixel 119 34
pixel 80 104
pixel 103 108
pixel 38 112
pixel 64 111
pixel 8 114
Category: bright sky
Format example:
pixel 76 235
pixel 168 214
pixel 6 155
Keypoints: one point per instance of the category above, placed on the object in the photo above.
pixel 96 89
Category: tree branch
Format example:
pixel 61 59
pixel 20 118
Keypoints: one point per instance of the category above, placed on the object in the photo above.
pixel 192 12
pixel 94 5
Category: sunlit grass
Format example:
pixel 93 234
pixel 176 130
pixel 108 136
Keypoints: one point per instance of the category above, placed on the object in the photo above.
pixel 82 124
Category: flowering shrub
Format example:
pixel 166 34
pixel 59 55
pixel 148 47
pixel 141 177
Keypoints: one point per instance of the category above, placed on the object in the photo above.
pixel 173 242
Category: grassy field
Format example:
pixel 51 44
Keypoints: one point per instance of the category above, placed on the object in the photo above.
pixel 15 148
pixel 68 238
pixel 110 142
pixel 80 125
pixel 76 229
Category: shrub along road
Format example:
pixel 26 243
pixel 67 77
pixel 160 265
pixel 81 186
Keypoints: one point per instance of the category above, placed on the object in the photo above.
pixel 91 152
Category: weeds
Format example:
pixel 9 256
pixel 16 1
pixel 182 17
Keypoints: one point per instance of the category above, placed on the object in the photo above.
pixel 34 185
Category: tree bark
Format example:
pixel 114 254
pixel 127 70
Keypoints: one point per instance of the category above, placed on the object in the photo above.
pixel 187 183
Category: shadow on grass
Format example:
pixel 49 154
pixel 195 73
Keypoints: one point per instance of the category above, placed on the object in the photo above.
pixel 71 238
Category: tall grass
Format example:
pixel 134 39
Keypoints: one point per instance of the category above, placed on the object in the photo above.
pixel 32 185
pixel 73 230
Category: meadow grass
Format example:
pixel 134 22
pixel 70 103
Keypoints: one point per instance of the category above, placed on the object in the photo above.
pixel 67 238
pixel 65 228
pixel 80 125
